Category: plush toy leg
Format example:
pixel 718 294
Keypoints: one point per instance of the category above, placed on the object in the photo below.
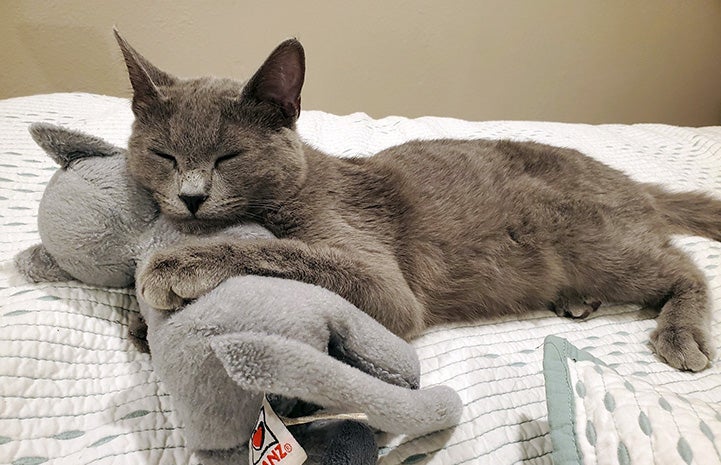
pixel 337 442
pixel 39 266
pixel 317 316
pixel 273 364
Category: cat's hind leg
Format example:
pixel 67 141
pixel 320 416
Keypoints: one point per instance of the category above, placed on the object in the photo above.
pixel 682 337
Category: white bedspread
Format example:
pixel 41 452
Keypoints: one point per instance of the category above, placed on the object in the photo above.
pixel 74 391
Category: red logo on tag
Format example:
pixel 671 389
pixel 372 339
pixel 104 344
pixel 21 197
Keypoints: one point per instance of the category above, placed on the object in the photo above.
pixel 263 438
pixel 258 436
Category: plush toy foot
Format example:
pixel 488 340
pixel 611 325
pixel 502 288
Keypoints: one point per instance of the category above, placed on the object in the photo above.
pixel 337 442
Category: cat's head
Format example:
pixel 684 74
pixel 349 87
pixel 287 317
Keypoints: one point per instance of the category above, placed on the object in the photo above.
pixel 212 151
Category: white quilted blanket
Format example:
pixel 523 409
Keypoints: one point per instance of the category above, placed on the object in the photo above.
pixel 74 391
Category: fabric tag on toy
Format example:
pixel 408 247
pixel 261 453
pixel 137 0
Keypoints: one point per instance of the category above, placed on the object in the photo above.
pixel 271 443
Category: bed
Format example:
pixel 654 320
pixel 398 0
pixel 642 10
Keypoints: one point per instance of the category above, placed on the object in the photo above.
pixel 537 389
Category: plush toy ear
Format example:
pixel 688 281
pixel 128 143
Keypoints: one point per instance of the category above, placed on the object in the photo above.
pixel 273 364
pixel 39 266
pixel 279 81
pixel 145 78
pixel 65 145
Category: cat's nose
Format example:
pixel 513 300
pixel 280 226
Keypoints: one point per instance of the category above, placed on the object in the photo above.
pixel 193 202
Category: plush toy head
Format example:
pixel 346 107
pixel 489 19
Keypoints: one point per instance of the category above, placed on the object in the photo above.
pixel 92 217
pixel 251 336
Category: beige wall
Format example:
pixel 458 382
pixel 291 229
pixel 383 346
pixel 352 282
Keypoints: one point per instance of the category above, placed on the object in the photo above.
pixel 563 60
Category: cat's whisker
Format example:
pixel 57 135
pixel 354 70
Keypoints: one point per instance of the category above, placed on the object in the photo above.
pixel 270 207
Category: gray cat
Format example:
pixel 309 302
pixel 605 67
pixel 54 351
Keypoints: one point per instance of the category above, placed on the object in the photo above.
pixel 419 234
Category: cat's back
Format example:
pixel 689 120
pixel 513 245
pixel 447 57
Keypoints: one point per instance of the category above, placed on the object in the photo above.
pixel 461 195
pixel 500 175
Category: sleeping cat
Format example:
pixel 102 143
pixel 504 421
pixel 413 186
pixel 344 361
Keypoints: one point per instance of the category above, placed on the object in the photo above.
pixel 420 234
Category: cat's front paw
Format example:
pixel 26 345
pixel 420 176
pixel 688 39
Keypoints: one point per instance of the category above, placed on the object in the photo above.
pixel 685 348
pixel 173 278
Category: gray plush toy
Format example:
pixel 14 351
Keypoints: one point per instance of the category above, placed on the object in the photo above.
pixel 219 357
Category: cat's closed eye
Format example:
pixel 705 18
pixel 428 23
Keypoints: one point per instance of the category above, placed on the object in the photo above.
pixel 164 155
pixel 226 157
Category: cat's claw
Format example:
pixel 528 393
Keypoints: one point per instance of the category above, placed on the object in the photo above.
pixel 683 348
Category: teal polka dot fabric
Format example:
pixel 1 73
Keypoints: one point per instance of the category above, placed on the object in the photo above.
pixel 598 416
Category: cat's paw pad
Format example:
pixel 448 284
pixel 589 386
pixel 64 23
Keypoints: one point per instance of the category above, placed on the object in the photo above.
pixel 171 280
pixel 579 311
pixel 683 348
pixel 565 308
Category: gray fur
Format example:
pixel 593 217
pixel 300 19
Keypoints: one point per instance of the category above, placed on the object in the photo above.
pixel 39 266
pixel 250 336
pixel 423 233
pixel 65 146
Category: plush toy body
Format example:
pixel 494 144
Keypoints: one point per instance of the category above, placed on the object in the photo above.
pixel 251 336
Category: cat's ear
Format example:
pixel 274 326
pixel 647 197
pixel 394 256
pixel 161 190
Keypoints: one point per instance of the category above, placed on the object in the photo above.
pixel 280 80
pixel 145 78
pixel 65 145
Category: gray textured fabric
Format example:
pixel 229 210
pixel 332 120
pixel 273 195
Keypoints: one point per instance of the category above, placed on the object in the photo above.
pixel 250 336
